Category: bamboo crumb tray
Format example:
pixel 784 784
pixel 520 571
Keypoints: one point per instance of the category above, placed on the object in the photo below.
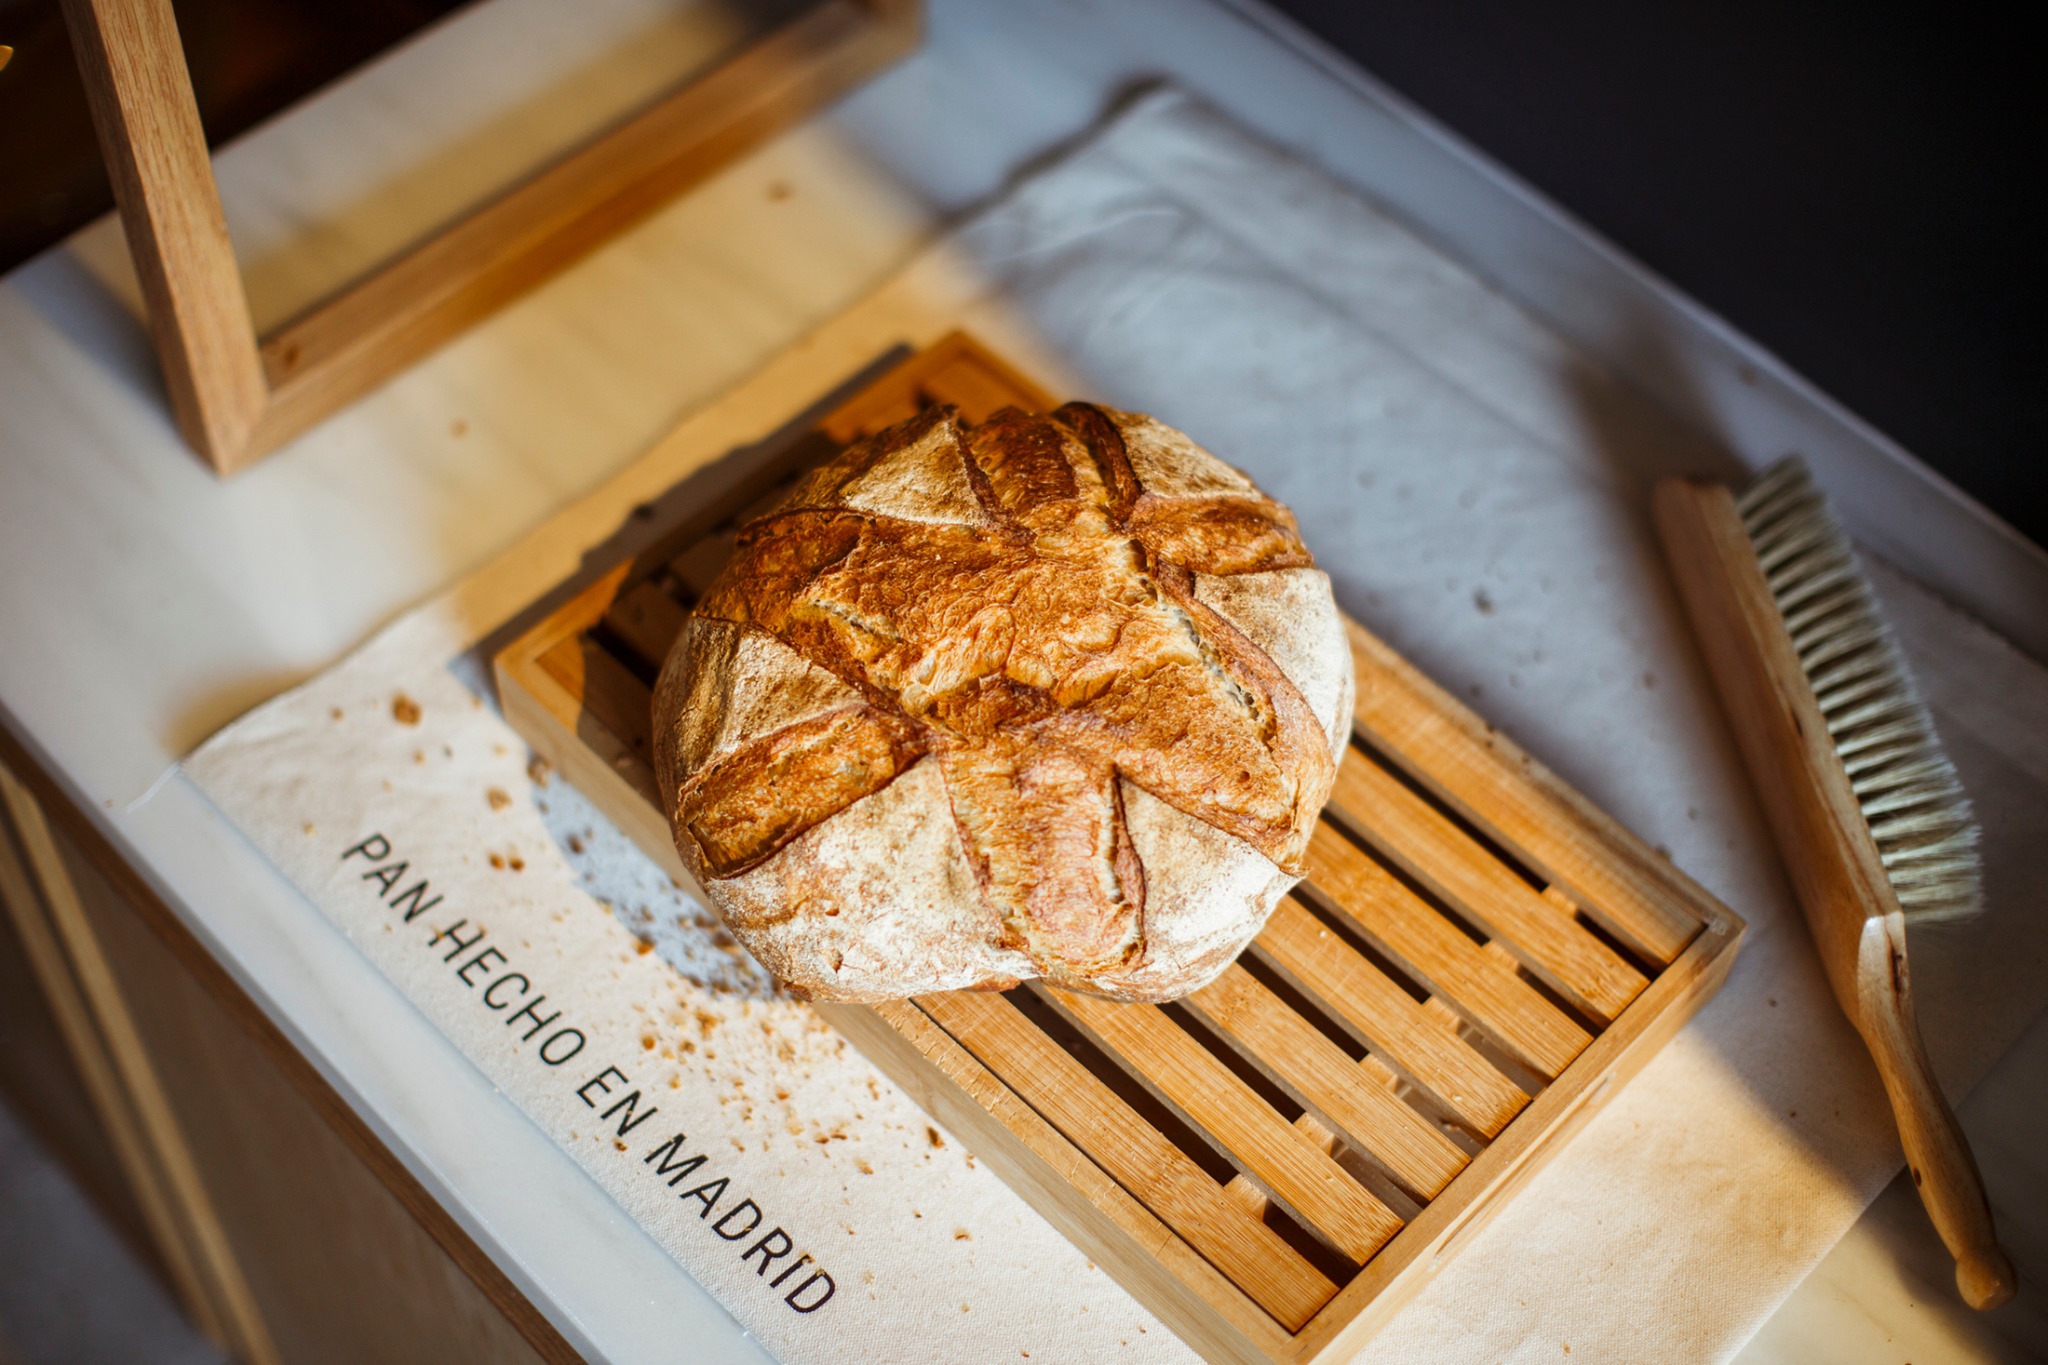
pixel 1275 1164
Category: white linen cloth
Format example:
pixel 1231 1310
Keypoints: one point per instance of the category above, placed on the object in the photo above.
pixel 1478 492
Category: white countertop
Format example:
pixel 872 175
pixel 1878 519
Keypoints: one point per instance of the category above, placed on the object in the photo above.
pixel 146 603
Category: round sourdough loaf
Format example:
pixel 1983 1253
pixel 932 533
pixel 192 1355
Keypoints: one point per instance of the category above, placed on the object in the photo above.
pixel 1053 696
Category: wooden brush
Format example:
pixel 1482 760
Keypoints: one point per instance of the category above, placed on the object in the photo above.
pixel 1867 810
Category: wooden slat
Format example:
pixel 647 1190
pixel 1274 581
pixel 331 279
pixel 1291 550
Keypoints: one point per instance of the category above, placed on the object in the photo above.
pixel 1492 782
pixel 618 700
pixel 1441 1232
pixel 695 567
pixel 1251 1194
pixel 611 697
pixel 647 620
pixel 1388 1020
pixel 949 370
pixel 1483 989
pixel 962 368
pixel 874 408
pixel 976 390
pixel 591 759
pixel 1101 1217
pixel 1450 862
pixel 1133 1152
pixel 1317 1073
pixel 1302 1177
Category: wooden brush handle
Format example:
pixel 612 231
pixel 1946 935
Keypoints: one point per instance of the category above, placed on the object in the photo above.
pixel 1855 918
pixel 1937 1153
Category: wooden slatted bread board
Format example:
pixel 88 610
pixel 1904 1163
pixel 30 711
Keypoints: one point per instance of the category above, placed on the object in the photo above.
pixel 1276 1163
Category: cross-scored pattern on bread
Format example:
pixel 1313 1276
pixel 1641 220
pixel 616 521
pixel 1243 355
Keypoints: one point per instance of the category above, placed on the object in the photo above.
pixel 1080 624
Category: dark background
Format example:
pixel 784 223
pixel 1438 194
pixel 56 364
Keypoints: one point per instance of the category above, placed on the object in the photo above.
pixel 1839 181
pixel 249 59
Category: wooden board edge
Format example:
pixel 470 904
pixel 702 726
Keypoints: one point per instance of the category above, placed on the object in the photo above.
pixel 1568 806
pixel 1529 1143
pixel 520 696
pixel 573 617
pixel 1139 1252
pixel 954 346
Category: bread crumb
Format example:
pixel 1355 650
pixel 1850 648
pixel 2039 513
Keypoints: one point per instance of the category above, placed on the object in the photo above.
pixel 643 947
pixel 405 710
pixel 515 862
pixel 537 771
pixel 575 844
pixel 497 862
pixel 309 827
pixel 962 1235
pixel 334 713
pixel 498 798
pixel 932 1134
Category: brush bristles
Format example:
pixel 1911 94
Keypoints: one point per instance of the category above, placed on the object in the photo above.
pixel 1907 788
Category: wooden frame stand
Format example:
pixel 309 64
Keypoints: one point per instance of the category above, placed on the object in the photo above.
pixel 237 396
pixel 1275 1164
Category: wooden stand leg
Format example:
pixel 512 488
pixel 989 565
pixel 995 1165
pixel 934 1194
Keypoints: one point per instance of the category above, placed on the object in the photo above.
pixel 155 150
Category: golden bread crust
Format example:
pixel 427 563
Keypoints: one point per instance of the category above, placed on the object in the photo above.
pixel 1055 695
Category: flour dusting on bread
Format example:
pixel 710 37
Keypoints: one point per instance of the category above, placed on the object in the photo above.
pixel 1053 695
